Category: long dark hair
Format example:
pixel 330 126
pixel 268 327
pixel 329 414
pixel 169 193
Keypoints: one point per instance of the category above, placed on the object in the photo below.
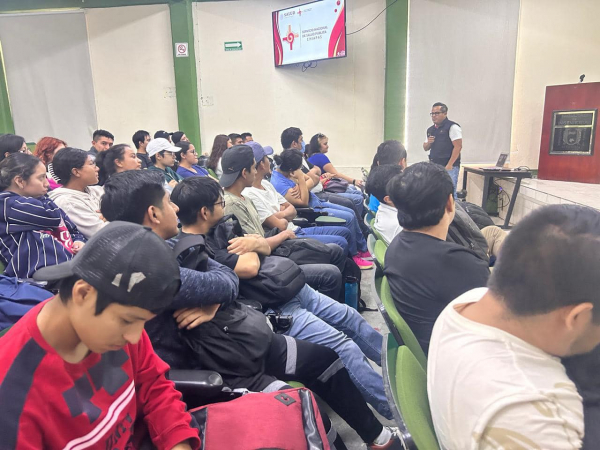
pixel 315 145
pixel 66 160
pixel 106 161
pixel 17 164
pixel 218 148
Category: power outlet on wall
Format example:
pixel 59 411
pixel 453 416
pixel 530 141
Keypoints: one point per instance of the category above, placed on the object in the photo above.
pixel 207 100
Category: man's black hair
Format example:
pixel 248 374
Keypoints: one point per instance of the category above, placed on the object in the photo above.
pixel 290 135
pixel 10 143
pixel 389 152
pixel 233 137
pixel 379 178
pixel 420 193
pixel 289 160
pixel 139 137
pixel 98 133
pixel 245 135
pixel 443 107
pixel 193 194
pixel 153 157
pixel 550 260
pixel 65 292
pixel 66 160
pixel 128 195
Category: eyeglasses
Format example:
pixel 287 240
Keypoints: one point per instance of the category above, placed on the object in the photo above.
pixel 435 113
pixel 222 203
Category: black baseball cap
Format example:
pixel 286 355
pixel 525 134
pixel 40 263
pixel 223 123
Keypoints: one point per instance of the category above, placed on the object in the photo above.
pixel 163 134
pixel 233 161
pixel 127 262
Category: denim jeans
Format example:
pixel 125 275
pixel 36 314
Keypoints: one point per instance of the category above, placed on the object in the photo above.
pixel 357 240
pixel 327 235
pixel 321 320
pixel 325 278
pixel 454 175
pixel 357 198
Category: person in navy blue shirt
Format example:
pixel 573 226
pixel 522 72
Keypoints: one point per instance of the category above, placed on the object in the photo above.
pixel 188 161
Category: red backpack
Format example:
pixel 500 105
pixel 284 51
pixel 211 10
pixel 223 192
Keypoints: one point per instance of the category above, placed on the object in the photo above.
pixel 287 420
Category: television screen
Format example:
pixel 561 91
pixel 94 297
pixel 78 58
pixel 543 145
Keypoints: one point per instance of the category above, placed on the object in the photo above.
pixel 310 32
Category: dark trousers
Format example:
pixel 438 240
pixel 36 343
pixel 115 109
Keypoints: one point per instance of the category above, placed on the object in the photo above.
pixel 327 278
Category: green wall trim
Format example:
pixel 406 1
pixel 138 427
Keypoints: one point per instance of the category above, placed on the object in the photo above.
pixel 396 62
pixel 186 81
pixel 6 120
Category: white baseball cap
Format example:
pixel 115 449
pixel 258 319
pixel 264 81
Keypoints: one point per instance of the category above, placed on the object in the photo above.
pixel 158 145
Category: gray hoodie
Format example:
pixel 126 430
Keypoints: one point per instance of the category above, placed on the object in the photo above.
pixel 83 208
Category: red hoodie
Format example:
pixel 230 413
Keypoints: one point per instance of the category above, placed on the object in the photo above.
pixel 107 401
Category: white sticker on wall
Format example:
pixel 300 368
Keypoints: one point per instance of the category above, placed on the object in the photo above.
pixel 181 50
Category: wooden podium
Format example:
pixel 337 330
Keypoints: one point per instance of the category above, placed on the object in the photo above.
pixel 570 146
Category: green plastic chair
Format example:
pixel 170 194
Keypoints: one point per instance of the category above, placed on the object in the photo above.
pixel 379 252
pixel 380 237
pixel 212 174
pixel 329 221
pixel 411 394
pixel 406 334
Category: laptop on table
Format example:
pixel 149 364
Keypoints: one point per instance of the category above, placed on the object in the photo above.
pixel 499 164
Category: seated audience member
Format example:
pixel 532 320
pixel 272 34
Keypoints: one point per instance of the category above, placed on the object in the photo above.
pixel 292 138
pixel 246 137
pixel 386 218
pixel 79 197
pixel 45 149
pixel 162 154
pixel 11 143
pixel 102 140
pixel 236 139
pixel 119 158
pixel 220 144
pixel 316 154
pixel 34 231
pixel 88 341
pixel 140 139
pixel 188 161
pixel 139 197
pixel 494 377
pixel 424 271
pixel 288 175
pixel 389 152
pixel 276 212
pixel 179 136
pixel 316 317
pixel 239 173
pixel 163 135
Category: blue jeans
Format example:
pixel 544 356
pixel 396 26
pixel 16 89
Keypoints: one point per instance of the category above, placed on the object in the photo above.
pixel 357 198
pixel 327 235
pixel 321 320
pixel 357 240
pixel 454 175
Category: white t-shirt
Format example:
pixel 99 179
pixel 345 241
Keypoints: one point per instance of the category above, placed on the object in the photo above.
pixel 267 202
pixel 386 222
pixel 491 390
pixel 318 187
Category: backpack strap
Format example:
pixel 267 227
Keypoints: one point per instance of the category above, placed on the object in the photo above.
pixel 197 259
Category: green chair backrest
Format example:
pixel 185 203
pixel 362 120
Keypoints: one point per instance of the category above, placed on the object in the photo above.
pixel 329 220
pixel 380 237
pixel 371 240
pixel 405 332
pixel 380 249
pixel 212 174
pixel 411 393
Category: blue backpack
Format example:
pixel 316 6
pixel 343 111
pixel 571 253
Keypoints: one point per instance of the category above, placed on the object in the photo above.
pixel 16 298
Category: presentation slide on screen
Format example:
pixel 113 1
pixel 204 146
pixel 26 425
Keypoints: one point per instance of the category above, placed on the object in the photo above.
pixel 310 32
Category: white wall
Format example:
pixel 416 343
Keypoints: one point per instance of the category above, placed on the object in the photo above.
pixel 462 53
pixel 558 41
pixel 132 69
pixel 243 91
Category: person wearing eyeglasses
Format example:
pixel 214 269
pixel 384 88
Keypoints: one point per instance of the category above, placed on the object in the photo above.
pixel 444 140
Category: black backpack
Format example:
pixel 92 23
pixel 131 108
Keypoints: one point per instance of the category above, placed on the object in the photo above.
pixel 235 342
pixel 478 215
pixel 464 231
pixel 304 251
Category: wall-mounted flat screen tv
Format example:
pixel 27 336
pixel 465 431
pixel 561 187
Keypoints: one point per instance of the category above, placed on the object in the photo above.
pixel 310 32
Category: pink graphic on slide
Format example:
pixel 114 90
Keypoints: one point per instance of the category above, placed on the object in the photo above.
pixel 290 37
pixel 277 40
pixel 337 40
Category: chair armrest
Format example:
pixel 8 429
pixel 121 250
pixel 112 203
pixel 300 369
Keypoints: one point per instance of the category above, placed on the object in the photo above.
pixel 324 221
pixel 309 214
pixel 301 222
pixel 197 383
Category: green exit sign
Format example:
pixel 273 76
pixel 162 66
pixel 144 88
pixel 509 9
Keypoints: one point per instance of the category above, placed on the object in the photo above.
pixel 233 46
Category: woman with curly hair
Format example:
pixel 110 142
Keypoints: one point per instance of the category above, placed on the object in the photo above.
pixel 45 149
